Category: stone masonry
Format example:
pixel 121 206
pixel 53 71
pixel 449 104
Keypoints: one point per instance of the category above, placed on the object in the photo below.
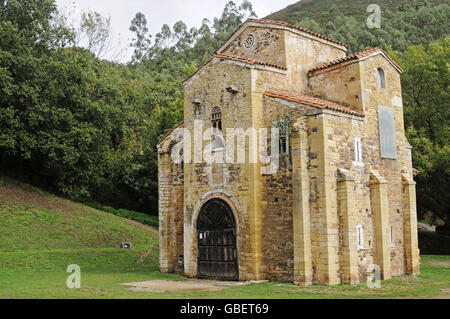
pixel 342 198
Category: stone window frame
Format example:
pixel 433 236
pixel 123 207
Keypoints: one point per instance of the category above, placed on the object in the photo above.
pixel 392 236
pixel 387 132
pixel 381 78
pixel 358 152
pixel 216 120
pixel 360 236
pixel 283 135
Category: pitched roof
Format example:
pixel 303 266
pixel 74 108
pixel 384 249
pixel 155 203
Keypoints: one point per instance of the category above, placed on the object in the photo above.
pixel 235 58
pixel 356 57
pixel 249 61
pixel 288 25
pixel 312 101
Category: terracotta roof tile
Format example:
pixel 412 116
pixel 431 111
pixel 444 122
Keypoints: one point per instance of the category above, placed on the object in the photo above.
pixel 284 24
pixel 312 101
pixel 354 57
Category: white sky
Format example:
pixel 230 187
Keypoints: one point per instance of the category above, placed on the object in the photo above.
pixel 159 12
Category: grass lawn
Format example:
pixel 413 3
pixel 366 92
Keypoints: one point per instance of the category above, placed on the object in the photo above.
pixel 41 234
pixel 115 266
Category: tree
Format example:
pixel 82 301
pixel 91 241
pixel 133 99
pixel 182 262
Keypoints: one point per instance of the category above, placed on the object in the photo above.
pixel 94 33
pixel 425 83
pixel 142 41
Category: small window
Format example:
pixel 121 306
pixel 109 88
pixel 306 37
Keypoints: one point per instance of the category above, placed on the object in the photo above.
pixel 392 236
pixel 358 151
pixel 381 79
pixel 360 236
pixel 216 119
pixel 283 127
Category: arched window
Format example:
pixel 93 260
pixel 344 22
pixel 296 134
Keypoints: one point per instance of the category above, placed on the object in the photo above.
pixel 381 80
pixel 216 118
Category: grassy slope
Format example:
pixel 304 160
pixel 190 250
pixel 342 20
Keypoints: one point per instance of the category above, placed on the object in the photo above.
pixel 42 231
pixel 317 9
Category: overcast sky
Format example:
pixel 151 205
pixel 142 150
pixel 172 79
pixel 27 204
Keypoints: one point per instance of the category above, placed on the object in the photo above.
pixel 159 12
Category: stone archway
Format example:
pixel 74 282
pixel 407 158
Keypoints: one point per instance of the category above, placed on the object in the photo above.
pixel 217 241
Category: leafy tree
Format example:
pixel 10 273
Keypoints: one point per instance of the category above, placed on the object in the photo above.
pixel 426 82
pixel 142 41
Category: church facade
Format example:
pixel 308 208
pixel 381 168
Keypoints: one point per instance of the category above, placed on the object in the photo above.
pixel 314 183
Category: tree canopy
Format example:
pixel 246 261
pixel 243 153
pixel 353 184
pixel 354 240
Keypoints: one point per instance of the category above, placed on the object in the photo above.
pixel 87 128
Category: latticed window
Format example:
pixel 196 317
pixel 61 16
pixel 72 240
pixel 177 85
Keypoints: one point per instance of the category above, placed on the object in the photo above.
pixel 216 118
pixel 283 129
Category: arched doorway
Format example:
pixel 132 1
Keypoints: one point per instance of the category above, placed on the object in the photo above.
pixel 217 245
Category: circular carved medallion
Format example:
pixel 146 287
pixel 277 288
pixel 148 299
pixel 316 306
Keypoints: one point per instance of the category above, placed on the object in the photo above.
pixel 249 41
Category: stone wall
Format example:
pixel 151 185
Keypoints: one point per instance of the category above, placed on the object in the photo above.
pixel 171 224
pixel 299 224
pixel 341 84
pixel 239 181
pixel 278 235
pixel 303 54
pixel 262 44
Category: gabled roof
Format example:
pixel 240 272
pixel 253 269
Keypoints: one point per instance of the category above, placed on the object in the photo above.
pixel 355 58
pixel 243 26
pixel 312 101
pixel 238 59
pixel 279 24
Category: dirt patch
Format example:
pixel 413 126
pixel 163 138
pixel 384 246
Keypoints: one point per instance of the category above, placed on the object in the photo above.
pixel 184 285
pixel 441 264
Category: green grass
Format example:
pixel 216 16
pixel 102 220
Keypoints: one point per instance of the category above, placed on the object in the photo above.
pixel 41 234
pixel 31 219
pixel 104 269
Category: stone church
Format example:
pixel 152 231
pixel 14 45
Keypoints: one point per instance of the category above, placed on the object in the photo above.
pixel 340 203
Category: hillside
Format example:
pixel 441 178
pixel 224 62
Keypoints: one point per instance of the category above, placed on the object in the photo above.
pixel 42 231
pixel 318 9
pixel 402 23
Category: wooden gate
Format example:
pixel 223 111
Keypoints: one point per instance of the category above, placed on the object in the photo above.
pixel 216 235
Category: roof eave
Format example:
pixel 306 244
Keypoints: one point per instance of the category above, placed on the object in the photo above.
pixel 356 59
